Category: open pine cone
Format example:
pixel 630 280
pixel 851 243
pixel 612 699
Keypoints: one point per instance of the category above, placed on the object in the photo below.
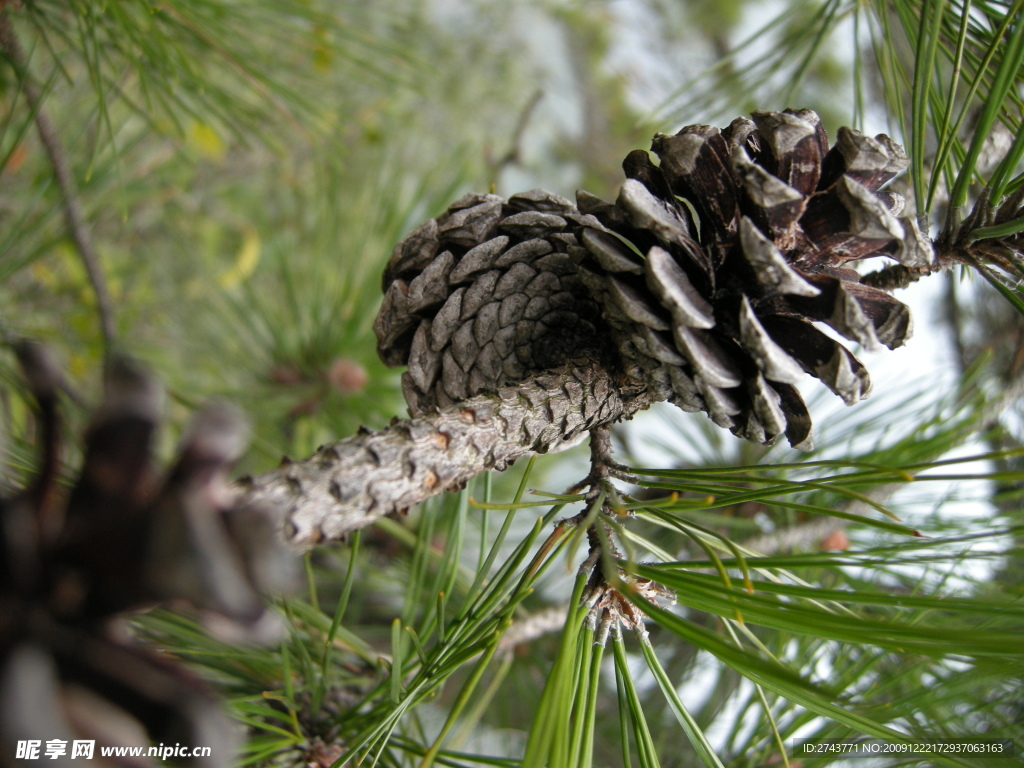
pixel 121 538
pixel 703 280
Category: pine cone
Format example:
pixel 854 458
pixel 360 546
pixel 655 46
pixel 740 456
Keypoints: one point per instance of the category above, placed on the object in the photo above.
pixel 122 539
pixel 707 275
pixel 526 322
pixel 484 295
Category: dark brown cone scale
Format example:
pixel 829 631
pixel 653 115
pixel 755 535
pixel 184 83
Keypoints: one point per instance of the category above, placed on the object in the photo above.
pixel 708 276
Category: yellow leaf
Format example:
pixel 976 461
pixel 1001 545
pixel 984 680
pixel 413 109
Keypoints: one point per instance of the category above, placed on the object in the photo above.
pixel 245 261
pixel 204 138
pixel 323 58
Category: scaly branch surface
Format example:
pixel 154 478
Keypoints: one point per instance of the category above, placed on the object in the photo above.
pixel 350 484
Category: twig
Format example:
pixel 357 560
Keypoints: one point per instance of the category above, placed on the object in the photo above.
pixel 898 276
pixel 73 217
pixel 514 152
pixel 352 483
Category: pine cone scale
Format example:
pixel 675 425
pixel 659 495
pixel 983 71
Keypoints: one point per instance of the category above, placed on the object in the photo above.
pixel 672 286
pixel 822 356
pixel 697 167
pixel 793 142
pixel 859 312
pixel 773 361
pixel 609 254
pixel 777 206
pixel 870 161
pixel 467 226
pixel 478 260
pixel 446 320
pixel 771 270
pixel 798 420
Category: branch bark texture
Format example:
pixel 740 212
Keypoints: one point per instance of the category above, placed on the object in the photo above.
pixel 350 484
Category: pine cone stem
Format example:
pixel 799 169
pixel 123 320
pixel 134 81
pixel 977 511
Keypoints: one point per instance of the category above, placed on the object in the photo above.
pixel 352 483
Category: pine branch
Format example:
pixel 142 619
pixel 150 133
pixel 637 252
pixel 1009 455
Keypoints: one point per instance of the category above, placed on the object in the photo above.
pixel 514 152
pixel 350 484
pixel 74 219
pixel 495 288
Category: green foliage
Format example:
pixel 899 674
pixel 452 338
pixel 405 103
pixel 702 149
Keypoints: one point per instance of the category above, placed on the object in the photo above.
pixel 245 169
pixel 243 192
pixel 949 74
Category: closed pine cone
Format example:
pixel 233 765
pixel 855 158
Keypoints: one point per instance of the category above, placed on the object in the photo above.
pixel 484 295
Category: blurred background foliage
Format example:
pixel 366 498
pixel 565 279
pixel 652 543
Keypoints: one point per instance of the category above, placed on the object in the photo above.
pixel 244 169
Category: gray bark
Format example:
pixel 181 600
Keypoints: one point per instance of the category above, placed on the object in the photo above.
pixel 350 484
